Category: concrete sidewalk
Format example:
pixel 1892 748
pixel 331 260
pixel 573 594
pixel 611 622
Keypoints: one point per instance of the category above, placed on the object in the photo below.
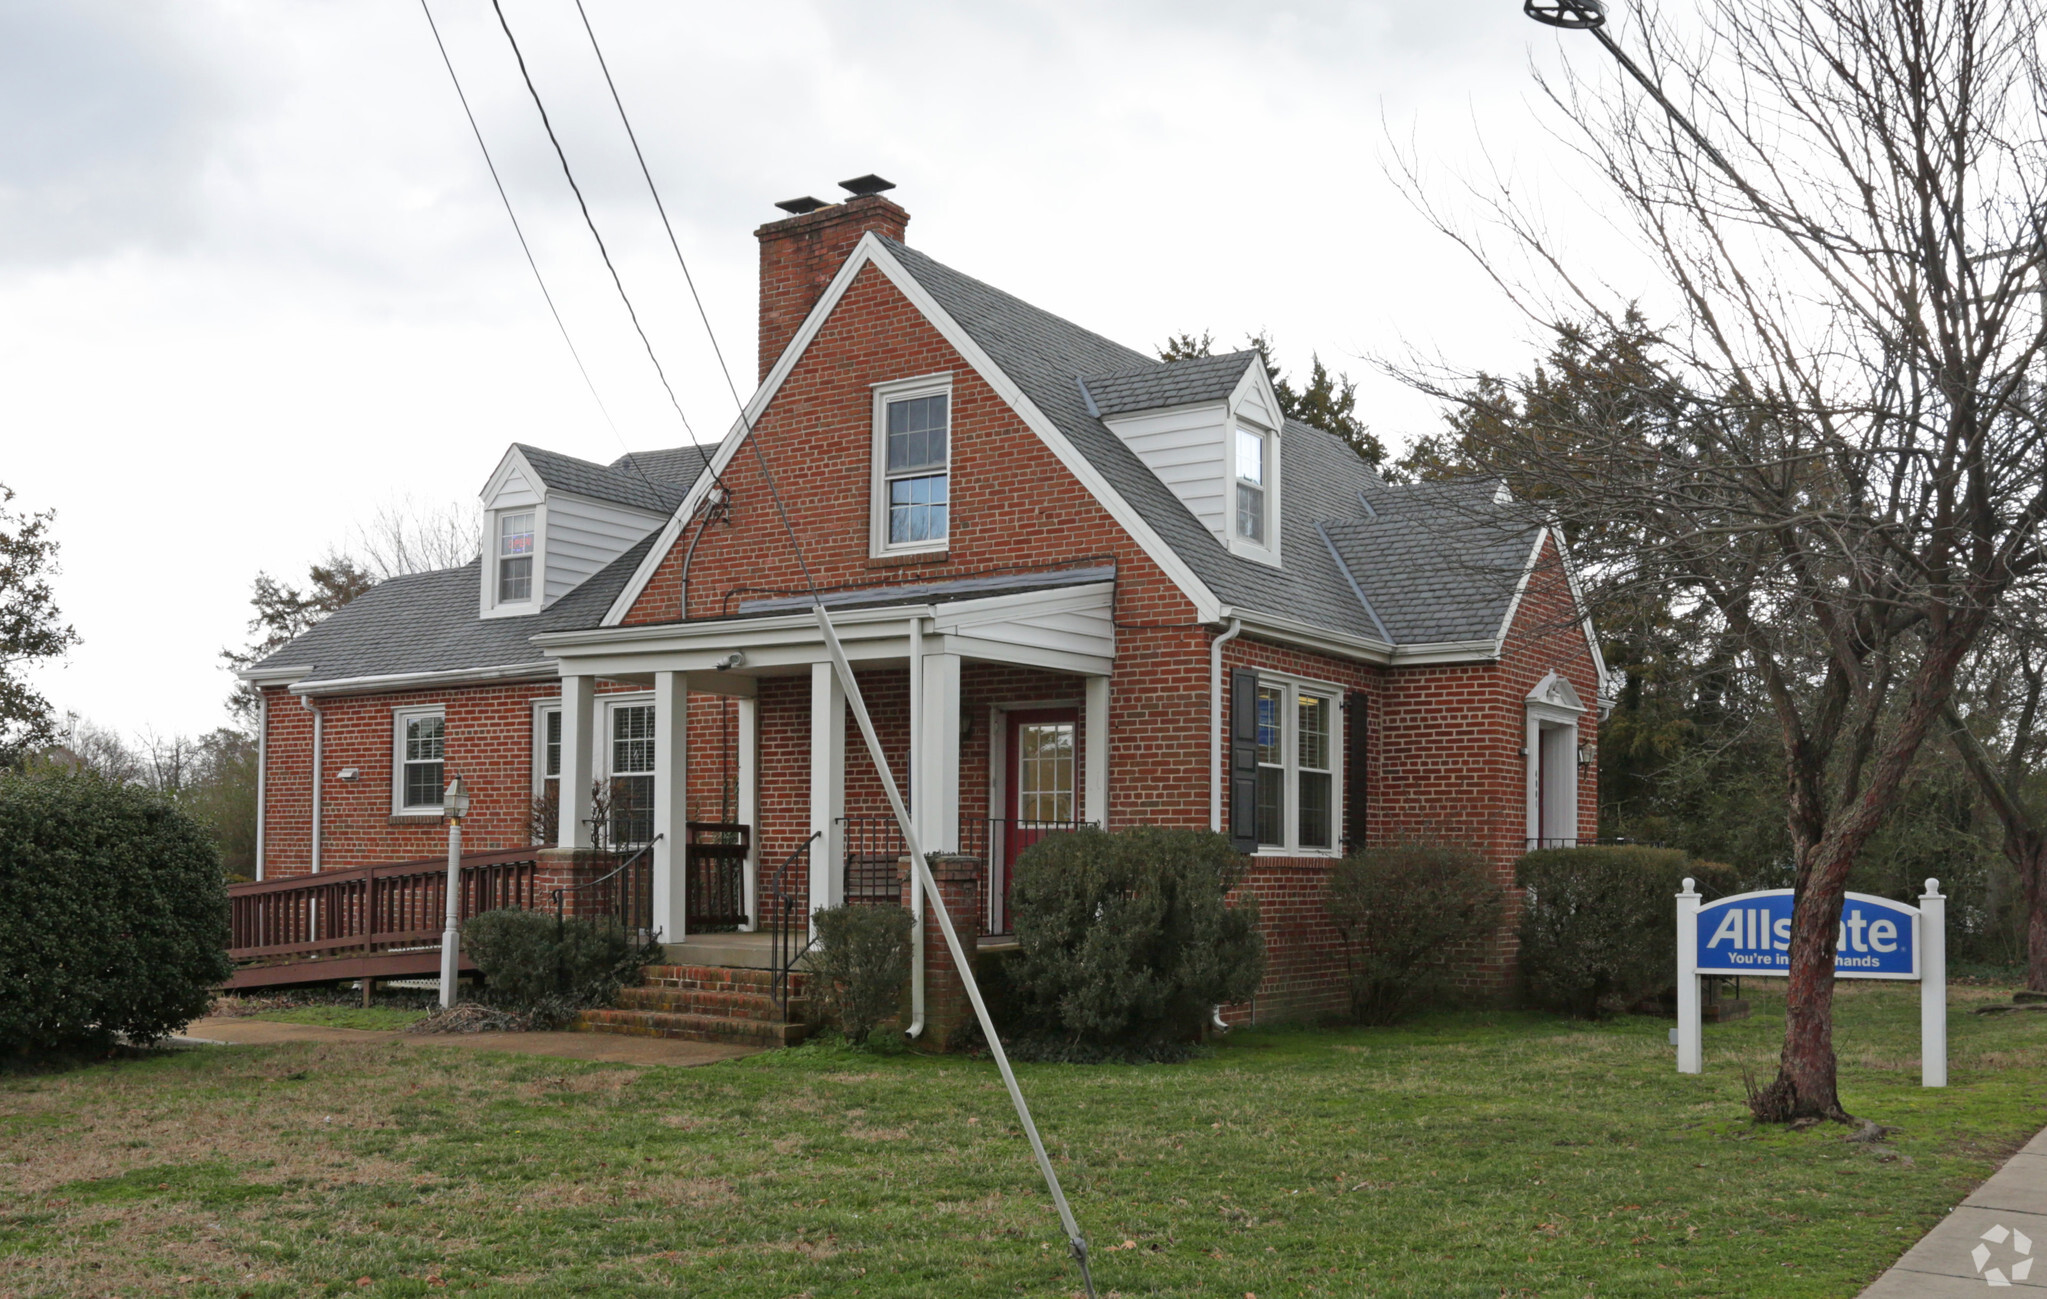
pixel 1990 1241
pixel 607 1047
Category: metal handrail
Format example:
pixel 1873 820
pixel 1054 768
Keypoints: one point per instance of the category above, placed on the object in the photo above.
pixel 781 960
pixel 559 893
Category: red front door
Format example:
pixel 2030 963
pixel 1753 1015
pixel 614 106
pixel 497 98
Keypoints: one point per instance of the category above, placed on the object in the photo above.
pixel 1042 767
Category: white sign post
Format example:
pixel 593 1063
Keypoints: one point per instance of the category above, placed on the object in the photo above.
pixel 1750 934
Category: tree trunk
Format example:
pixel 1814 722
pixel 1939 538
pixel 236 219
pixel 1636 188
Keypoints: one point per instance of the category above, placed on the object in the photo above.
pixel 1805 1086
pixel 2031 859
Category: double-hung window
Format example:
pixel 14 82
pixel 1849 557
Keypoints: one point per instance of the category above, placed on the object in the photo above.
pixel 913 465
pixel 1251 454
pixel 632 774
pixel 419 759
pixel 515 557
pixel 1296 793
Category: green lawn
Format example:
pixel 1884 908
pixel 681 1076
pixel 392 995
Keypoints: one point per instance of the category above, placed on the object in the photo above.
pixel 373 1017
pixel 1478 1154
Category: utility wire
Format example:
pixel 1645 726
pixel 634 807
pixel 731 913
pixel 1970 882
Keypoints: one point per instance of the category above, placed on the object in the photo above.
pixel 516 229
pixel 1076 1242
pixel 604 252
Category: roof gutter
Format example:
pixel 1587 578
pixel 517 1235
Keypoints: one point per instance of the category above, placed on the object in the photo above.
pixel 421 680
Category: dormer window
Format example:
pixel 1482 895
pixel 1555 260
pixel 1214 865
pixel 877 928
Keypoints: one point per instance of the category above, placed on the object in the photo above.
pixel 515 557
pixel 913 462
pixel 1251 460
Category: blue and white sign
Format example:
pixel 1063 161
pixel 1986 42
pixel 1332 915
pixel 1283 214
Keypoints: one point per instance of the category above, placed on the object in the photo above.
pixel 1750 933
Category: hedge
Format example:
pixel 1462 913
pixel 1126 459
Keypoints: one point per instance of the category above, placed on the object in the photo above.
pixel 1599 926
pixel 1407 914
pixel 113 914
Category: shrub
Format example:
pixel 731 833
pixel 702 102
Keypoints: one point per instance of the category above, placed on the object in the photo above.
pixel 1600 924
pixel 531 962
pixel 862 960
pixel 1127 937
pixel 113 914
pixel 1404 912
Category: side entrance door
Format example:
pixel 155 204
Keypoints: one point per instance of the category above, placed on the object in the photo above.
pixel 1042 766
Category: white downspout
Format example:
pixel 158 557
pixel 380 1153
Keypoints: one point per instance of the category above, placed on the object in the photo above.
pixel 1219 753
pixel 319 737
pixel 262 773
pixel 916 1028
pixel 1220 715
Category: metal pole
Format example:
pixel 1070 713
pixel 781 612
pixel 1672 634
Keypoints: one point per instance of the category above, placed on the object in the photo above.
pixel 451 936
pixel 1932 987
pixel 936 901
pixel 1691 1047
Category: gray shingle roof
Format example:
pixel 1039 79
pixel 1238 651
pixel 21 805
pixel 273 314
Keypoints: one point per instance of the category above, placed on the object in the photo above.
pixel 1173 383
pixel 427 622
pixel 677 465
pixel 1433 577
pixel 604 483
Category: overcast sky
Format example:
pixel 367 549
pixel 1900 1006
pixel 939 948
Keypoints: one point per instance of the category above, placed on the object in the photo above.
pixel 255 283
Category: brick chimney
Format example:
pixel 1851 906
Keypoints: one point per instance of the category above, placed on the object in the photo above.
pixel 800 255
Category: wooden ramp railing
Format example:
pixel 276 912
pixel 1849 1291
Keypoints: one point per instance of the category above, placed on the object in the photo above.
pixel 366 921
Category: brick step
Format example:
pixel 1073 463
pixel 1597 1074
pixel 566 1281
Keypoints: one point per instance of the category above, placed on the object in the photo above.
pixel 691 1028
pixel 733 1003
pixel 720 978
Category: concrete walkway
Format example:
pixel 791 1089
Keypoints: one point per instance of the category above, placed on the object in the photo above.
pixel 608 1047
pixel 1995 1239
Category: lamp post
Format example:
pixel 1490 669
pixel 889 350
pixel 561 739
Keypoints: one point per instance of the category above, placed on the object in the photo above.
pixel 455 805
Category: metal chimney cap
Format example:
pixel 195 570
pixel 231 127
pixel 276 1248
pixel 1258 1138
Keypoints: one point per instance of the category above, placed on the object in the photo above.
pixel 798 206
pixel 862 186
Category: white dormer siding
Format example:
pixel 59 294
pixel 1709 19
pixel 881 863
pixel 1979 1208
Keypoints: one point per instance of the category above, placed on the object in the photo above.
pixel 573 535
pixel 1193 450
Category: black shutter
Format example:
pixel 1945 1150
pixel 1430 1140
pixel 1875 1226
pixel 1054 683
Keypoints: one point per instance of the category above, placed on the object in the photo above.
pixel 1357 765
pixel 1244 760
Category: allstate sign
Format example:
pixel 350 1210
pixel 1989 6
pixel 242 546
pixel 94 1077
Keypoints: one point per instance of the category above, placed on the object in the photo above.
pixel 1750 933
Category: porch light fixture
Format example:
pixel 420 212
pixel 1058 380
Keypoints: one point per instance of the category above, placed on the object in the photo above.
pixel 348 774
pixel 731 661
pixel 455 806
pixel 1588 753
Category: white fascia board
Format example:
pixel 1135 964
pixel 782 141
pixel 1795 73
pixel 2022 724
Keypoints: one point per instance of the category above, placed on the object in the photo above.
pixel 1591 636
pixel 424 680
pixel 1431 653
pixel 282 675
pixel 870 250
pixel 1521 588
pixel 1550 533
pixel 514 459
pixel 1306 636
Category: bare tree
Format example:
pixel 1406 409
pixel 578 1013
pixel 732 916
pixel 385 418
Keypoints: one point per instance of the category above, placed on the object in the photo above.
pixel 1836 451
pixel 410 536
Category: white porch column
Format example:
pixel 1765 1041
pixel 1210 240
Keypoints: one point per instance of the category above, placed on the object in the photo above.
pixel 938 755
pixel 1095 802
pixel 579 712
pixel 671 804
pixel 747 804
pixel 827 786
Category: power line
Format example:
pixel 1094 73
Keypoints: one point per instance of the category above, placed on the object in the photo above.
pixel 604 252
pixel 516 229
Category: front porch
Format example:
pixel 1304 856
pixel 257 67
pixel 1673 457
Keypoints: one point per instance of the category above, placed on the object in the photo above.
pixel 992 711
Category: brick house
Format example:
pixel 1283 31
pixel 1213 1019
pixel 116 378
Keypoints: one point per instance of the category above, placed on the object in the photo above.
pixel 1077 584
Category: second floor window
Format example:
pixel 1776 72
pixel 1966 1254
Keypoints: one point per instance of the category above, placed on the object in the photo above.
pixel 515 557
pixel 915 463
pixel 1250 454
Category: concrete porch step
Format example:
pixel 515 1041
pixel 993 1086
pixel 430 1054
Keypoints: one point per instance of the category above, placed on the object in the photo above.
pixel 743 951
pixel 691 1027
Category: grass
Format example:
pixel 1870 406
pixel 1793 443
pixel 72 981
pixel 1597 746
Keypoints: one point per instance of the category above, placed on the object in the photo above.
pixel 1475 1154
pixel 372 1017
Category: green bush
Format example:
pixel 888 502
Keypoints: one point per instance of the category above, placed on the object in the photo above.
pixel 1406 913
pixel 1127 937
pixel 862 961
pixel 533 963
pixel 113 914
pixel 1599 928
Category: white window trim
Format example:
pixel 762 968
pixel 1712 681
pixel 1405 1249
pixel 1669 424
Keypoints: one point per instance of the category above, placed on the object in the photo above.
pixel 1266 551
pixel 928 385
pixel 399 717
pixel 492 608
pixel 1290 749
pixel 607 704
pixel 1553 705
pixel 541 708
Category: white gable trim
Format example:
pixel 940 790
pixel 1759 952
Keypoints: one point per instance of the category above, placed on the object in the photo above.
pixel 1551 533
pixel 870 250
